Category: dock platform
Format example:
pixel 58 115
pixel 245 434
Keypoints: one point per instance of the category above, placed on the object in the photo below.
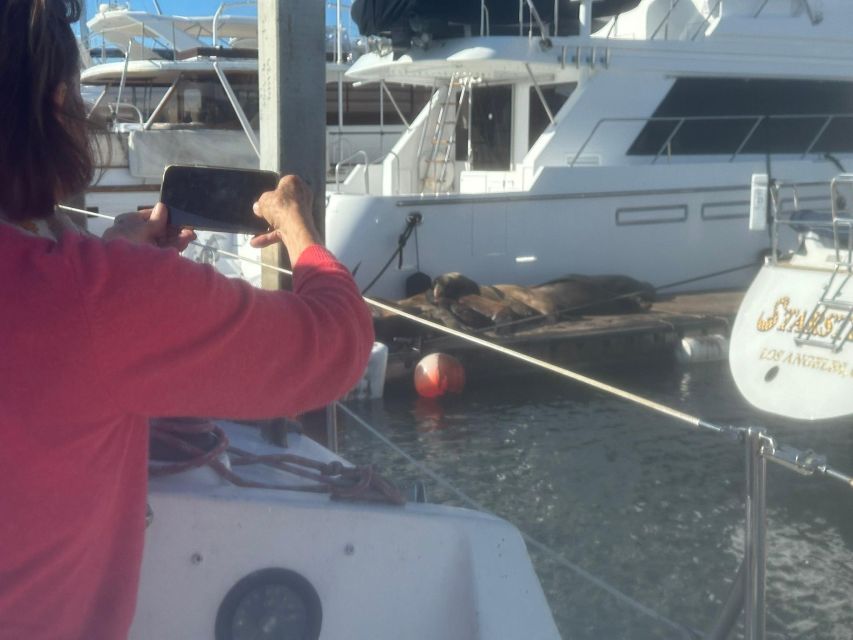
pixel 584 342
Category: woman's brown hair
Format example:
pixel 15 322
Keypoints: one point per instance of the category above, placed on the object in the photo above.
pixel 44 145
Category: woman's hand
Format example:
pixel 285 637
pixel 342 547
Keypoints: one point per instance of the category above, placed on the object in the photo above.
pixel 150 226
pixel 288 212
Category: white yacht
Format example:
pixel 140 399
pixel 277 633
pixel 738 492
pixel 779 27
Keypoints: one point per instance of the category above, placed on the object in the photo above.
pixel 573 141
pixel 184 90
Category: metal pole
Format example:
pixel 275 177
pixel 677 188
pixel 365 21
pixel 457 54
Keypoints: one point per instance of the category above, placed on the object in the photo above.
pixel 341 117
pixel 731 608
pixel 382 118
pixel 585 18
pixel 292 93
pixel 339 54
pixel 755 557
pixel 332 427
pixel 123 77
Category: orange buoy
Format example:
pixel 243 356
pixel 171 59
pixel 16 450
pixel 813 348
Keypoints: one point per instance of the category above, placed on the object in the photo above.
pixel 437 374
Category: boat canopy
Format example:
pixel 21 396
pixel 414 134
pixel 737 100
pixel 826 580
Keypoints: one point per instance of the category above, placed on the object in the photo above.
pixel 120 26
pixel 407 19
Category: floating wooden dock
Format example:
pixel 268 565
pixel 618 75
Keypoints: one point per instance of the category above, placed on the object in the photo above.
pixel 586 341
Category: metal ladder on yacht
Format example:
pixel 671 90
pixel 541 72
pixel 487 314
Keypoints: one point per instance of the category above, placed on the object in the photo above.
pixel 833 299
pixel 439 155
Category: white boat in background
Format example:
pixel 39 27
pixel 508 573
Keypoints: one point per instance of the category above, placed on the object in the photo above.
pixel 184 90
pixel 626 148
pixel 795 325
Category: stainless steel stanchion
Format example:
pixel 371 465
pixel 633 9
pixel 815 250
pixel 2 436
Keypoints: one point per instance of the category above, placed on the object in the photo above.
pixel 332 427
pixel 756 534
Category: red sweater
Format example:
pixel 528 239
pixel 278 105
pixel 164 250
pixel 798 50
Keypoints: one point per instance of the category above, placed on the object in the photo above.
pixel 96 337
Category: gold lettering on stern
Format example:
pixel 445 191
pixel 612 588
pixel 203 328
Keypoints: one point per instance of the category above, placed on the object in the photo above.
pixel 766 324
pixel 806 361
pixel 786 318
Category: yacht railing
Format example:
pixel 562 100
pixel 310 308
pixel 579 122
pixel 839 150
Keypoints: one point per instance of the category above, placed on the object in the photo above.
pixel 366 164
pixel 815 15
pixel 534 20
pixel 679 122
pixel 218 15
pixel 665 21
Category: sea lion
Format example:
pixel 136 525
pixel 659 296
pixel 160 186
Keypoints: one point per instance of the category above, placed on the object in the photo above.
pixel 602 294
pixel 485 312
pixel 453 286
pixel 460 303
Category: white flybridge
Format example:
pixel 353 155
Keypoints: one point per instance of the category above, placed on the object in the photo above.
pixel 795 325
pixel 626 148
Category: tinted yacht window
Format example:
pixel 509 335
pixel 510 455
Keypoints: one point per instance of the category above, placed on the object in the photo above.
pixel 491 127
pixel 362 103
pixel 555 96
pixel 723 112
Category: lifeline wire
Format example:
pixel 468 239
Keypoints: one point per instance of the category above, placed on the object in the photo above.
pixel 556 556
pixel 770 452
pixel 780 455
pixel 559 558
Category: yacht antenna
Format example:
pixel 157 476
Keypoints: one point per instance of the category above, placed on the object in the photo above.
pixel 157 7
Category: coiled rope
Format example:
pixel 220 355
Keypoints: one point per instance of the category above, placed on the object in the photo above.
pixel 342 482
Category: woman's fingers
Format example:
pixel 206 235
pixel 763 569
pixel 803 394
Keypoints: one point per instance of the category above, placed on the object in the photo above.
pixel 264 239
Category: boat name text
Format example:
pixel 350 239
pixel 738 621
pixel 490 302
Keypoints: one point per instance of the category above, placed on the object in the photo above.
pixel 790 319
pixel 806 361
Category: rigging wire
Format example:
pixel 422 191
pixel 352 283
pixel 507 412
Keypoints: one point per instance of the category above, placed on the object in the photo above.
pixel 786 456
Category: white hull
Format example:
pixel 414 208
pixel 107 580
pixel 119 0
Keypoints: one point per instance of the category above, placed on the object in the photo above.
pixel 381 572
pixel 640 166
pixel 655 223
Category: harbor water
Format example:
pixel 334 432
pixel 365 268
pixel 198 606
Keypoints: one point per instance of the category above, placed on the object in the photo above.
pixel 651 507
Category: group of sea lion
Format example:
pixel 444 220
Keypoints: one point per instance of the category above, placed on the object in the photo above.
pixel 460 303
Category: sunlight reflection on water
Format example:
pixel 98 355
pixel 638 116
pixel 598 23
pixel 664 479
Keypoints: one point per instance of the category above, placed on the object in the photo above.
pixel 653 508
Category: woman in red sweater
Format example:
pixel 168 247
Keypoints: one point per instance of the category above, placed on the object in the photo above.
pixel 96 336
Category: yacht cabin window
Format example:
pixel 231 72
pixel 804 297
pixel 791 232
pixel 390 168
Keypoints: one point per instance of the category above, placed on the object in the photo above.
pixel 555 96
pixel 707 116
pixel 486 123
pixel 362 103
pixel 200 101
pixel 490 128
